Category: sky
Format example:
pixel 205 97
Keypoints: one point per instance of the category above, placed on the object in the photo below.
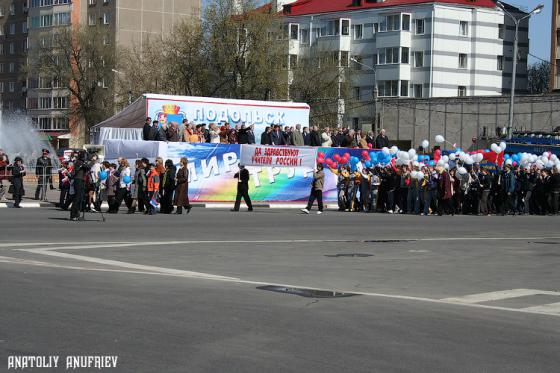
pixel 539 30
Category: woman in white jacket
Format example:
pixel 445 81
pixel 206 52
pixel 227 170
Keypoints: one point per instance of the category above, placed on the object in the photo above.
pixel 214 134
pixel 123 191
pixel 326 141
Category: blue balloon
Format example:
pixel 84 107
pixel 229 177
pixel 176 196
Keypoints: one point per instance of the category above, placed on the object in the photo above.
pixel 515 157
pixel 103 175
pixel 127 179
pixel 368 164
pixel 458 150
pixel 506 156
pixel 431 163
pixel 373 156
pixel 354 160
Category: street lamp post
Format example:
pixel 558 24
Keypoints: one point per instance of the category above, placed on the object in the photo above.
pixel 375 90
pixel 517 22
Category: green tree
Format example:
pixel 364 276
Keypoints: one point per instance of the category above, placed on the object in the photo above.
pixel 538 78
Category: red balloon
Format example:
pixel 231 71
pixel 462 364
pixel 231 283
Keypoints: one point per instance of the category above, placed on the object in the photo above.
pixel 346 155
pixel 370 145
pixel 336 157
pixel 365 153
pixel 367 158
pixel 343 161
pixel 334 165
pixel 320 155
pixel 329 161
pixel 321 160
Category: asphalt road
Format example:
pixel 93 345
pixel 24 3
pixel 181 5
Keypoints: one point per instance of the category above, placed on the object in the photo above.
pixel 184 293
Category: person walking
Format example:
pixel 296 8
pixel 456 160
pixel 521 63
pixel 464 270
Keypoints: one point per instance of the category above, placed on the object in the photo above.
pixel 167 187
pixel 181 199
pixel 81 168
pixel 242 189
pixel 153 190
pixel 18 172
pixel 316 190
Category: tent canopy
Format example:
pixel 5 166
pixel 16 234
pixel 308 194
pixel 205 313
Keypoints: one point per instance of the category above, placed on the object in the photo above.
pixel 133 116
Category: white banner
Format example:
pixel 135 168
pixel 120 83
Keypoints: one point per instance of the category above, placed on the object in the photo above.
pixel 278 156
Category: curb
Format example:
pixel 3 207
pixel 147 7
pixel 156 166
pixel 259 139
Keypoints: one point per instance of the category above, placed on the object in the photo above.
pixel 221 205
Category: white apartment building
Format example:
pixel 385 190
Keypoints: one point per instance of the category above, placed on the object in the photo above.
pixel 412 48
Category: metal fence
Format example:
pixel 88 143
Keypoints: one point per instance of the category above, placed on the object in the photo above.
pixel 40 184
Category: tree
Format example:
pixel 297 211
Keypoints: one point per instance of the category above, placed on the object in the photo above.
pixel 538 78
pixel 227 54
pixel 80 61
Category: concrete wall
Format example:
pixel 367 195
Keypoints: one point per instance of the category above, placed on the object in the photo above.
pixel 461 119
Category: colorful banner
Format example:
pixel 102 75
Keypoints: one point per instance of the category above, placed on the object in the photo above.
pixel 278 156
pixel 212 167
pixel 205 110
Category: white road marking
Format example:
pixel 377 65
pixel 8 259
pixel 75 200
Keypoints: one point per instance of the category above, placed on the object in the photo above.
pixel 468 301
pixel 548 308
pixel 117 263
pixel 499 295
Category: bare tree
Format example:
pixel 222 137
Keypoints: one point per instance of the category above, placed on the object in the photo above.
pixel 80 61
pixel 538 78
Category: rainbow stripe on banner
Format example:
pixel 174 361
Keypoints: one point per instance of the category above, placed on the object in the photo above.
pixel 212 167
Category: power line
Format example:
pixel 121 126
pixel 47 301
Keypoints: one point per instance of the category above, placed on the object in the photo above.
pixel 543 60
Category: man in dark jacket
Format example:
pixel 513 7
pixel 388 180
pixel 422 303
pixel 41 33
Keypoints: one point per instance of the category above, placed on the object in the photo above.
pixel 81 168
pixel 316 190
pixel 146 129
pixel 381 141
pixel 266 136
pixel 242 135
pixel 152 134
pixel 306 136
pixel 242 188
pixel 162 133
pixel 314 137
pixel 43 171
pixel 277 137
pixel 251 134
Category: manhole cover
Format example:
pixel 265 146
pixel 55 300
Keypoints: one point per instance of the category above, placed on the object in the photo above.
pixel 349 255
pixel 307 293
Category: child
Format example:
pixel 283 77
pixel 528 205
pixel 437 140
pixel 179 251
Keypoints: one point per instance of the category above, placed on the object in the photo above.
pixel 153 190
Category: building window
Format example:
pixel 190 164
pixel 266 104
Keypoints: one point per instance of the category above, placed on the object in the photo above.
pixel 462 61
pixel 12 29
pixel 61 19
pixel 357 93
pixel 1 49
pixel 344 59
pixel 24 45
pixel 293 61
pixel 24 27
pixel 375 28
pixel 405 53
pixel 12 48
pixel 390 23
pixel 12 67
pixel 105 2
pixel 463 28
pixel 91 19
pixel 45 103
pixel 462 91
pixel 358 32
pixel 501 63
pixel 501 31
pixel 389 56
pixel 106 18
pixel 60 102
pixel 357 65
pixel 304 36
pixel 418 91
pixel 406 22
pixel 419 27
pixel 1 87
pixel 1 68
pixel 419 59
pixel 92 2
pixel 294 32
pixel 345 27
pixel 12 9
pixel 12 87
pixel 106 40
pixel 404 88
pixel 388 88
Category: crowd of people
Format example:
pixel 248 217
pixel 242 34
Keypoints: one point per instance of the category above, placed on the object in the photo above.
pixel 272 135
pixel 429 190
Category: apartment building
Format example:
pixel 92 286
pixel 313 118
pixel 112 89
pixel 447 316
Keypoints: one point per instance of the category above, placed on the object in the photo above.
pixel 555 46
pixel 411 48
pixel 13 50
pixel 130 22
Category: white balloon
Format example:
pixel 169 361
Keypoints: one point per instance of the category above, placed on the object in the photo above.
pixel 385 151
pixel 415 158
pixel 496 149
pixel 549 164
pixel 420 175
pixel 509 161
pixel 411 152
pixel 445 158
pixel 462 170
pixel 415 164
pixel 441 162
pixel 546 154
pixel 478 157
pixel 394 150
pixel 403 155
pixel 503 146
pixel 425 144
pixel 469 160
pixel 446 166
pixel 452 156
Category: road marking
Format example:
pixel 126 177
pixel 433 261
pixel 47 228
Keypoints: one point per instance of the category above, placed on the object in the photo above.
pixel 117 263
pixel 499 295
pixel 548 308
pixel 112 244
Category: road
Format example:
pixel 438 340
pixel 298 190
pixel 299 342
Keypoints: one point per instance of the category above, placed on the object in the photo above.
pixel 189 293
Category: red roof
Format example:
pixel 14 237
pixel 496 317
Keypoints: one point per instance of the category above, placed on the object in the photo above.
pixel 303 7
